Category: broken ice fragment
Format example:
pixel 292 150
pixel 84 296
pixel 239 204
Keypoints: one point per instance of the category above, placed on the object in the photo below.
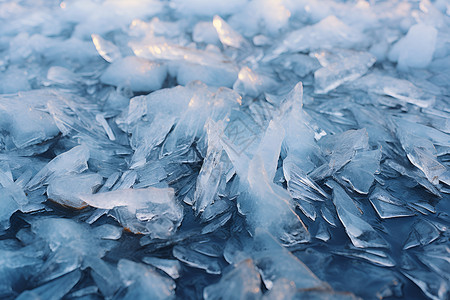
pixel 139 74
pixel 197 260
pixel 252 83
pixel 300 186
pixel 241 282
pixel 106 49
pixel 435 256
pixel 222 71
pixel 402 90
pixel 63 76
pixel 53 290
pixel 212 169
pixel 418 144
pixel 287 290
pixel 265 197
pixel 102 121
pixel 375 256
pixel 359 231
pixel 359 172
pixel 66 234
pixel 328 216
pixel 108 232
pixel 217 223
pixel 340 148
pixel 327 34
pixel 151 211
pixel 74 160
pixel 275 262
pixel 323 233
pixel 227 35
pixel 346 65
pixel 422 233
pixel 144 282
pixel 421 38
pixel 433 286
pixel 388 206
pixel 169 266
pixel 66 189
pixel 204 32
pixel 12 197
pixel 8 206
pixel 23 120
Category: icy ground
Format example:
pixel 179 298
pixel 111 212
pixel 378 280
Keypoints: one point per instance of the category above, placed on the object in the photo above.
pixel 188 149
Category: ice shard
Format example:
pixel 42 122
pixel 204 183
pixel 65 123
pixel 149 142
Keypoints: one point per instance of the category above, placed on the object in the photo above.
pixel 359 231
pixel 150 211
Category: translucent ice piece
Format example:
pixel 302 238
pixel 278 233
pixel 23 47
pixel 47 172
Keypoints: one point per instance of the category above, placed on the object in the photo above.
pixel 348 66
pixel 300 64
pixel 227 35
pixel 74 160
pixel 215 75
pixel 24 121
pixel 286 289
pixel 107 279
pixel 422 233
pixel 275 262
pixel 138 73
pixel 400 89
pixel 150 211
pixel 204 32
pixel 158 49
pixel 197 260
pixel 376 257
pixel 63 76
pixel 241 282
pixel 102 121
pixel 298 126
pixel 435 256
pixel 108 232
pixel 422 38
pixel 68 235
pixel 53 290
pixel 8 206
pixel 168 266
pixel 415 175
pixel 327 34
pixel 340 148
pixel 90 290
pixel 264 197
pixel 144 282
pixel 359 231
pixel 359 172
pixel 206 102
pixel 212 169
pixel 66 189
pixel 323 233
pixel 58 264
pixel 432 285
pixel 252 84
pixel 388 206
pixel 14 80
pixel 419 147
pixel 300 186
pixel 106 49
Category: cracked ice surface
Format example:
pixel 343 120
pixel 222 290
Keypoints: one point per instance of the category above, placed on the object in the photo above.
pixel 196 149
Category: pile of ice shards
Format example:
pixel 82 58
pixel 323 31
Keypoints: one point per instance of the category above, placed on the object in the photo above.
pixel 234 149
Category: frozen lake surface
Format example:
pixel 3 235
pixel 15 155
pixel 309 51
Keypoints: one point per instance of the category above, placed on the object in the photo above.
pixel 198 149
